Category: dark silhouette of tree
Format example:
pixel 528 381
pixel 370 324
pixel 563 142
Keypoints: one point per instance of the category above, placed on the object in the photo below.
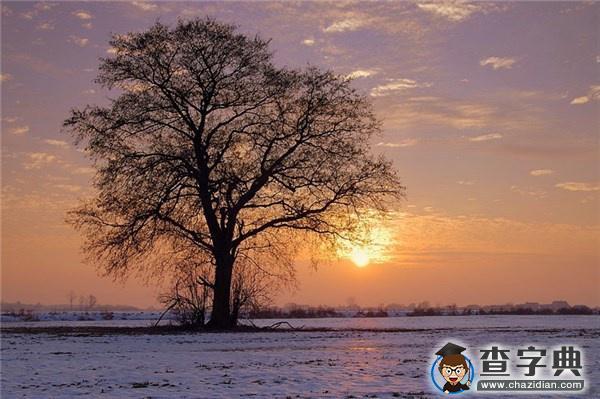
pixel 209 146
pixel 91 301
pixel 190 290
pixel 189 293
pixel 71 296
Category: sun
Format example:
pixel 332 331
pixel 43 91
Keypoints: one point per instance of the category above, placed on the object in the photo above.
pixel 370 244
pixel 359 256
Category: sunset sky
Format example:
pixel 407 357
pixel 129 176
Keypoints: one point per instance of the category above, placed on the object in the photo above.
pixel 490 113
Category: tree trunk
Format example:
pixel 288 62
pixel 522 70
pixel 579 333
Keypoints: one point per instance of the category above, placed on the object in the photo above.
pixel 221 316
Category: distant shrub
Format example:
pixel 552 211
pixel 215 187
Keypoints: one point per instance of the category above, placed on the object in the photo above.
pixel 106 315
pixel 28 315
pixel 372 313
pixel 425 312
pixel 85 317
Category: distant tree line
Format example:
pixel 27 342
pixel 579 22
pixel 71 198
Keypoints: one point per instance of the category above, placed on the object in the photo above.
pixel 309 313
pixel 296 313
pixel 574 310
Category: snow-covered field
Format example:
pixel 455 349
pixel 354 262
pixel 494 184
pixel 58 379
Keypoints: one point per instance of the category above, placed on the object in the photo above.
pixel 297 364
pixel 82 318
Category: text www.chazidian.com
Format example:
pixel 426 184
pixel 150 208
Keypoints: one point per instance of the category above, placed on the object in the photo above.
pixel 530 385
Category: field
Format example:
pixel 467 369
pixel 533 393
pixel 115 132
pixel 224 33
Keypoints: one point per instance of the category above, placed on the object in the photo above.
pixel 375 358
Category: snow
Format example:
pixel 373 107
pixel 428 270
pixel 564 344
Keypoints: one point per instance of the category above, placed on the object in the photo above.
pixel 329 364
pixel 82 318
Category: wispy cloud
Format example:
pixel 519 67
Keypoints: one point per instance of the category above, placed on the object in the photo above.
pixel 72 188
pixel 46 26
pixel 308 42
pixel 343 25
pixel 19 130
pixel 464 234
pixel 361 73
pixel 482 112
pixel 466 182
pixel 28 15
pixel 401 144
pixel 536 193
pixel 454 10
pixel 579 186
pixel 57 143
pixel 5 77
pixel 10 119
pixel 82 170
pixel 541 172
pixel 486 137
pixel 144 5
pixel 395 86
pixel 83 15
pixel 580 100
pixel 45 6
pixel 549 151
pixel 37 64
pixel 79 41
pixel 6 11
pixel 35 160
pixel 37 9
pixel 593 94
pixel 498 62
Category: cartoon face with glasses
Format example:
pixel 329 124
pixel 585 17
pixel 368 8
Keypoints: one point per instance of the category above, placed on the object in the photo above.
pixel 453 367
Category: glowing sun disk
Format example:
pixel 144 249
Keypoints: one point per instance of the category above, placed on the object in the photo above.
pixel 370 245
pixel 360 257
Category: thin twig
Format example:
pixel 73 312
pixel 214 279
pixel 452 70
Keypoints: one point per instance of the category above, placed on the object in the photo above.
pixel 280 323
pixel 164 313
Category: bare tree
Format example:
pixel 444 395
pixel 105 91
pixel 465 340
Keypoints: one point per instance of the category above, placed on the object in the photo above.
pixel 71 296
pixel 255 278
pixel 190 292
pixel 92 301
pixel 254 284
pixel 208 142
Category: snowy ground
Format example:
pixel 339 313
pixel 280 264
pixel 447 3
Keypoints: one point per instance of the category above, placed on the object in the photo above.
pixel 83 318
pixel 329 364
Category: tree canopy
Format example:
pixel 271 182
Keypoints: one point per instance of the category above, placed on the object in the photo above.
pixel 209 147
